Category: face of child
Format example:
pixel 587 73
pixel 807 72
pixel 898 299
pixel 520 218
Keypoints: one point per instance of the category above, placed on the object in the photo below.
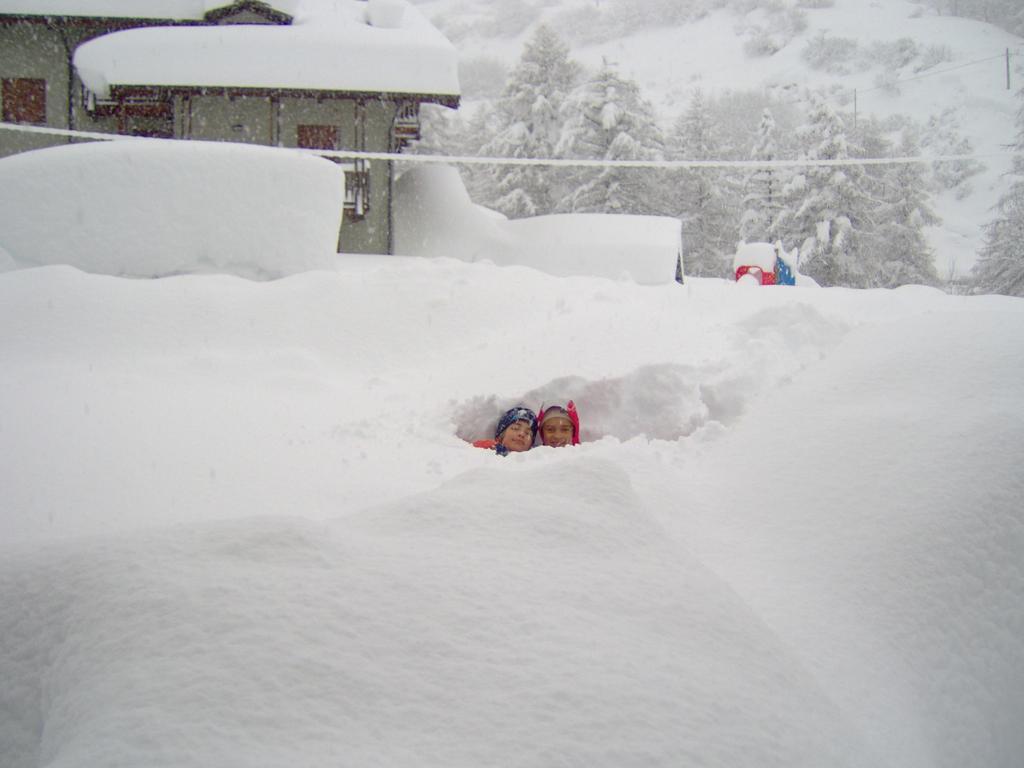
pixel 517 436
pixel 556 431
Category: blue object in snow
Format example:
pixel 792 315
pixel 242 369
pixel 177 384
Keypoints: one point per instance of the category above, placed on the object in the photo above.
pixel 783 273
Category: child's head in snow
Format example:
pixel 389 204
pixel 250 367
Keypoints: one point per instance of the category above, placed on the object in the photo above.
pixel 516 429
pixel 559 426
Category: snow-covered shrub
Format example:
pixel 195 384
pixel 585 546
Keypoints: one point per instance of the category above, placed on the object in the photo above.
pixel 761 43
pixel 932 56
pixel 941 136
pixel 888 82
pixel 775 24
pixel 894 54
pixel 792 21
pixel 830 54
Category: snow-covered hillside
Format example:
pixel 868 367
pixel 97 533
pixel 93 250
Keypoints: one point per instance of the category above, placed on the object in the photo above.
pixel 953 72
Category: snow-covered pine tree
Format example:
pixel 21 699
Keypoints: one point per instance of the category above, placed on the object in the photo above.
pixel 762 187
pixel 610 120
pixel 473 135
pixel 828 212
pixel 529 121
pixel 709 228
pixel 898 239
pixel 1000 265
pixel 439 131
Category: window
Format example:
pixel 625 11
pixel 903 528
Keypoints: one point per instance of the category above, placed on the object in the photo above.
pixel 24 100
pixel 318 136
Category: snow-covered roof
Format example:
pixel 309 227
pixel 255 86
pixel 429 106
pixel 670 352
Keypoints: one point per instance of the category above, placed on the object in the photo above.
pixel 371 46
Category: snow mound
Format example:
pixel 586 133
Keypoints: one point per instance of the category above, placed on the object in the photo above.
pixel 670 401
pixel 237 527
pixel 157 208
pixel 918 531
pixel 393 631
pixel 645 249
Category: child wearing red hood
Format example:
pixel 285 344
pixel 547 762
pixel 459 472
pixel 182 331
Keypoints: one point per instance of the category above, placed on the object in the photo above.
pixel 559 426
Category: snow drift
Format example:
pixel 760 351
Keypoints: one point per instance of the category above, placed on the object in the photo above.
pixel 155 208
pixel 239 527
pixel 434 217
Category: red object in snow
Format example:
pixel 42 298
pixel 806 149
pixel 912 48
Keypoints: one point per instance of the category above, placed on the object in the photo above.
pixel 765 278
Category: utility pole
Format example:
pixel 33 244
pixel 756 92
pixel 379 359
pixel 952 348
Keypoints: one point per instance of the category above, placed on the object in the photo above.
pixel 1007 69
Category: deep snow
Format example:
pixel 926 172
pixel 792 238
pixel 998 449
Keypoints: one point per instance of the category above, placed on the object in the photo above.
pixel 241 527
pixel 241 524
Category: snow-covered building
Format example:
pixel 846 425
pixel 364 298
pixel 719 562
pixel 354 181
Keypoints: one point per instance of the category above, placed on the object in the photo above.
pixel 319 74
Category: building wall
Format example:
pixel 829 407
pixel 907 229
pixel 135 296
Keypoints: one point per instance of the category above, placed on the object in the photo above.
pixel 371 233
pixel 275 121
pixel 35 49
pixel 242 119
pixel 376 228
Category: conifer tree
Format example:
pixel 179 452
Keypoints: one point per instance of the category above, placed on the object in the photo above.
pixel 610 120
pixel 828 212
pixel 762 187
pixel 899 240
pixel 1000 266
pixel 439 131
pixel 474 135
pixel 709 228
pixel 529 119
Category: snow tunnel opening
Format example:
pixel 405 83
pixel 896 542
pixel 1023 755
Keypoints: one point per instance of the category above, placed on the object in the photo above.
pixel 659 402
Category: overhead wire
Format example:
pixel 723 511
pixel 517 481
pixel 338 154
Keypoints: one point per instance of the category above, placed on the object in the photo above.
pixel 539 161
